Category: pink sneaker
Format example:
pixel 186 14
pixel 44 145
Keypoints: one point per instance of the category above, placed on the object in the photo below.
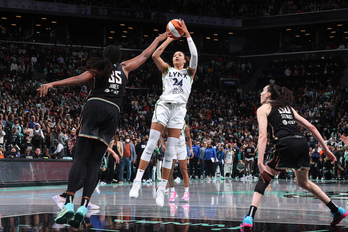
pixel 173 195
pixel 186 196
pixel 186 210
pixel 173 209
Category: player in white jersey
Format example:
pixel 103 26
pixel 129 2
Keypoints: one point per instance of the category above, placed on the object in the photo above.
pixel 181 155
pixel 170 110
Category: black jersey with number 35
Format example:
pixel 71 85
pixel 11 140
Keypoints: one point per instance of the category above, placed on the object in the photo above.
pixel 111 88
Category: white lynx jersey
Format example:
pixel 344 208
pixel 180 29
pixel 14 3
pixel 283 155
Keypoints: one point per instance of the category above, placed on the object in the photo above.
pixel 176 86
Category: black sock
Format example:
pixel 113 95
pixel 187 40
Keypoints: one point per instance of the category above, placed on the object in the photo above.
pixel 333 207
pixel 252 211
pixel 85 201
pixel 63 194
pixel 69 198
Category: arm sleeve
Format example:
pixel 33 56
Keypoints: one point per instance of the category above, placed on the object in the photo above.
pixel 194 54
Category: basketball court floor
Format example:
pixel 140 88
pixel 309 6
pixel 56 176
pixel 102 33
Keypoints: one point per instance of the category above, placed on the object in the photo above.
pixel 213 206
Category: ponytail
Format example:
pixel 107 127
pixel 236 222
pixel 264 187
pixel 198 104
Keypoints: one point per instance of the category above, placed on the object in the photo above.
pixel 280 96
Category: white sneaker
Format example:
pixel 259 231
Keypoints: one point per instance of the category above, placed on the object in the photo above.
pixel 160 197
pixel 92 212
pixel 91 206
pixel 97 189
pixel 134 192
pixel 59 201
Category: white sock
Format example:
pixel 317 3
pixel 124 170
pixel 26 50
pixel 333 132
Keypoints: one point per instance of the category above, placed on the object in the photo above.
pixel 163 184
pixel 172 189
pixel 187 189
pixel 139 175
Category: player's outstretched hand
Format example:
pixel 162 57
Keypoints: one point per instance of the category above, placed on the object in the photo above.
pixel 163 36
pixel 183 27
pixel 44 89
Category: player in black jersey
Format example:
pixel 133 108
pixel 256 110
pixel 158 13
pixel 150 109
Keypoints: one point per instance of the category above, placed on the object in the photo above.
pixel 291 149
pixel 99 120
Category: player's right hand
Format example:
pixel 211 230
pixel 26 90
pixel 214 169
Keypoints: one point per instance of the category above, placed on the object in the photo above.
pixel 44 89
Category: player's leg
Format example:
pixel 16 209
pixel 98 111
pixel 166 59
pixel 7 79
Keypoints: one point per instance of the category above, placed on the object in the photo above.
pixel 173 194
pixel 77 175
pixel 91 181
pixel 155 133
pixel 258 194
pixel 185 176
pixel 172 140
pixel 338 213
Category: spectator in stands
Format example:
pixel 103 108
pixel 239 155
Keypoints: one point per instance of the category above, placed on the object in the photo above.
pixel 37 140
pixel 16 124
pixel 32 122
pixel 240 168
pixel 37 130
pixel 117 148
pixel 37 153
pixel 194 172
pixel 59 150
pixel 28 154
pixel 201 159
pixel 2 137
pixel 129 156
pixel 14 138
pixel 209 160
pixel 71 140
pixel 63 139
pixel 220 154
pixel 12 153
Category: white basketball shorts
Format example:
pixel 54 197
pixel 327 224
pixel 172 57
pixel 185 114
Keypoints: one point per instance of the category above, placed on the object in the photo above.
pixel 170 114
pixel 181 153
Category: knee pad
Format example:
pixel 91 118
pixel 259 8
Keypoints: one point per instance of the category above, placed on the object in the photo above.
pixel 261 186
pixel 150 147
pixel 168 157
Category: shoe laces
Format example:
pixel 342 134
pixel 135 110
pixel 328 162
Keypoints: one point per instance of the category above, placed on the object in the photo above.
pixel 172 194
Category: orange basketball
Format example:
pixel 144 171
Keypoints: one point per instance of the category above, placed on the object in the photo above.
pixel 174 28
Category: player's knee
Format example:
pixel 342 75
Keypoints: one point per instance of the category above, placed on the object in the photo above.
pixel 303 183
pixel 169 154
pixel 150 147
pixel 261 186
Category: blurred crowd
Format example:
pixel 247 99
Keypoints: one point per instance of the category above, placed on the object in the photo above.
pixel 220 8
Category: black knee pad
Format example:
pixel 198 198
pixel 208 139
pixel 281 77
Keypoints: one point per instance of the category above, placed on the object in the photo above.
pixel 261 186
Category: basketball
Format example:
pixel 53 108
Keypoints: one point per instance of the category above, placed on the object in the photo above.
pixel 174 28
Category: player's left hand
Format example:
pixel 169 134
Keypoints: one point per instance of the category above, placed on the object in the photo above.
pixel 183 27
pixel 329 155
pixel 264 174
